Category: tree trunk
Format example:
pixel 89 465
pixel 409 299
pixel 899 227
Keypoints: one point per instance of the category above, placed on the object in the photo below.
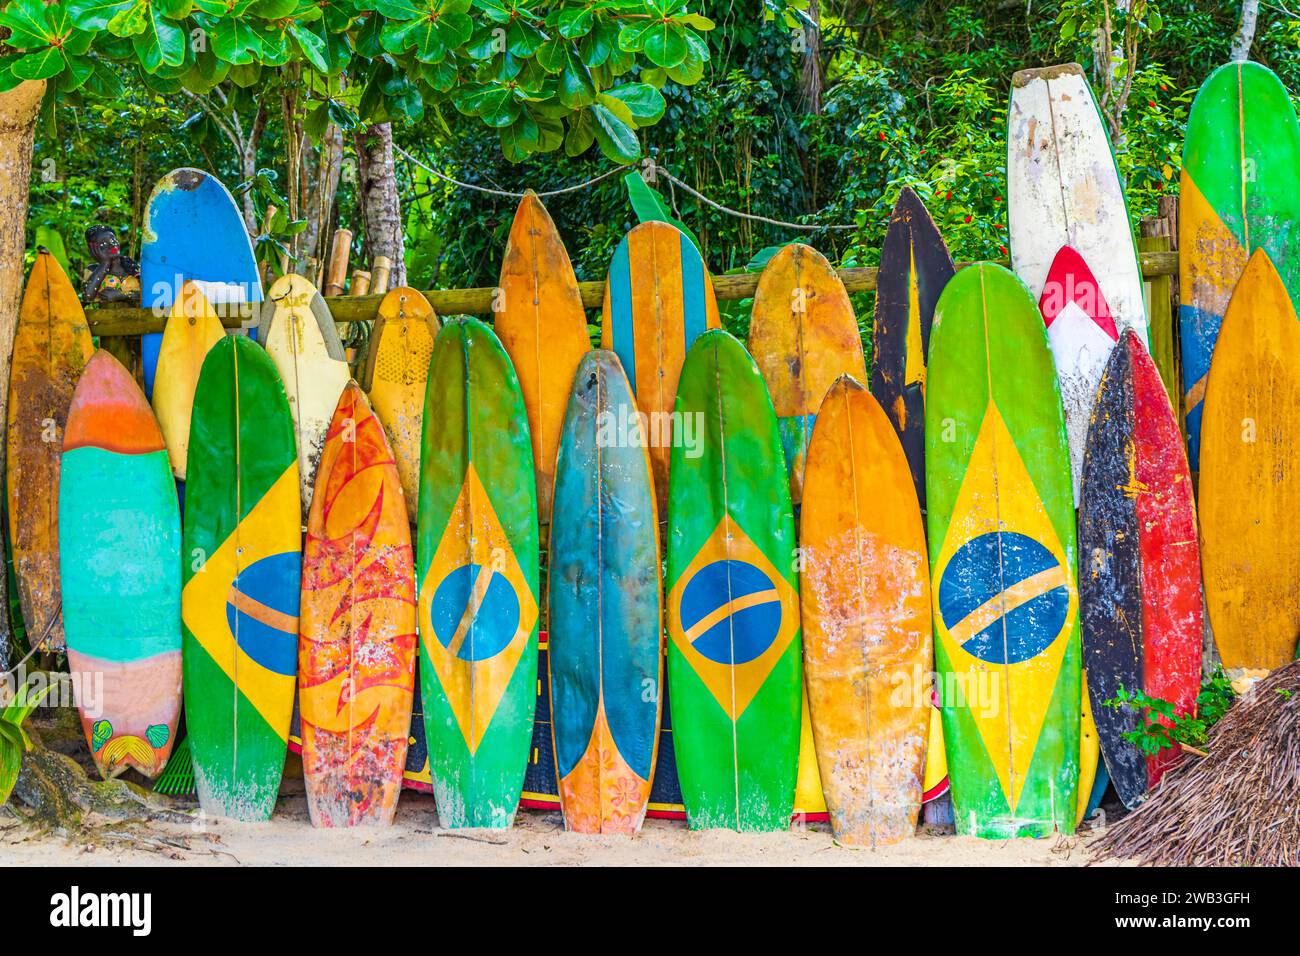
pixel 320 185
pixel 1241 43
pixel 18 110
pixel 381 209
pixel 248 166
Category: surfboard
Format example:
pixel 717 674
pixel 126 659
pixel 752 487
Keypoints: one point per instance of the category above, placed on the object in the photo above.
pixel 241 562
pixel 52 345
pixel 1241 158
pixel 865 596
pixel 1089 749
pixel 658 300
pixel 193 231
pixel 357 644
pixel 313 378
pixel 606 620
pixel 803 335
pixel 543 327
pixel 320 310
pixel 1249 504
pixel 914 268
pixel 1082 334
pixel 119 565
pixel 1001 529
pixel 734 665
pixel 192 330
pixel 478 574
pixel 396 373
pixel 1140 581
pixel 1064 189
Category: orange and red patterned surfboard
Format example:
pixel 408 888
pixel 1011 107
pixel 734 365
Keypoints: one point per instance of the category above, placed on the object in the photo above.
pixel 357 639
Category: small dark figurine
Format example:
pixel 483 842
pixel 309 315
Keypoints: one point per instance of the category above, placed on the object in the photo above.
pixel 115 278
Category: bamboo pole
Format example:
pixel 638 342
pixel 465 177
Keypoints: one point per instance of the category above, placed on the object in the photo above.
pixel 360 283
pixel 113 320
pixel 379 274
pixel 337 273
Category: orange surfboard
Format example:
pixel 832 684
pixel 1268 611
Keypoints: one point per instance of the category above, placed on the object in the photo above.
pixel 658 300
pixel 865 601
pixel 52 345
pixel 541 322
pixel 357 639
pixel 804 336
pixel 1249 490
pixel 397 368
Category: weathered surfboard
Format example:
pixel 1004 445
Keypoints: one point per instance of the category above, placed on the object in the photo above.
pixel 658 299
pixel 1082 334
pixel 1089 749
pixel 357 643
pixel 320 310
pixel 1140 586
pixel 1241 159
pixel 119 563
pixel 605 620
pixel 1249 488
pixel 1063 189
pixel 193 232
pixel 1002 556
pixel 865 596
pixel 803 336
pixel 241 563
pixel 543 327
pixel 52 345
pixel 734 666
pixel 396 373
pixel 914 268
pixel 192 330
pixel 313 378
pixel 478 579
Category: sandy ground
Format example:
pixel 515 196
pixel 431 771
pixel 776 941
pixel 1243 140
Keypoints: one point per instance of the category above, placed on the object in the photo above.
pixel 537 839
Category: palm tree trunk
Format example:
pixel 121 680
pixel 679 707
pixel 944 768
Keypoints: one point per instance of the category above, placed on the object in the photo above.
pixel 381 207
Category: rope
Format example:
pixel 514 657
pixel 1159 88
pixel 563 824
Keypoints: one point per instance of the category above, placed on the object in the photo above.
pixel 652 170
pixel 660 171
pixel 502 192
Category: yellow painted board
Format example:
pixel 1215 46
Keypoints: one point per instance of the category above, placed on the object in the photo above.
pixel 192 329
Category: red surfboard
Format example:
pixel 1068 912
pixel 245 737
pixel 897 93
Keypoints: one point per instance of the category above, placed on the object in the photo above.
pixel 1139 564
pixel 1082 334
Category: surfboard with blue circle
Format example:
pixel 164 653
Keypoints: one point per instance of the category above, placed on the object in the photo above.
pixel 193 231
pixel 1003 562
pixel 241 567
pixel 477 566
pixel 734 664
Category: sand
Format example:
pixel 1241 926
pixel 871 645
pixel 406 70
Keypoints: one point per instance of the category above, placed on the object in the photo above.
pixel 537 839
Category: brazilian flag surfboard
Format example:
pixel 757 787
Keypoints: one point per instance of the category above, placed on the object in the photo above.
pixel 1002 558
pixel 241 562
pixel 734 656
pixel 477 564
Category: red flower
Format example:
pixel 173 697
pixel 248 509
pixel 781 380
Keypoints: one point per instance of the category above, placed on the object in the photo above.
pixel 1002 249
pixel 997 225
pixel 882 135
pixel 967 217
pixel 949 196
pixel 997 199
pixel 1151 103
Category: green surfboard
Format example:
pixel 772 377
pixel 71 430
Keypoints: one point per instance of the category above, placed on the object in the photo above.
pixel 241 556
pixel 1241 160
pixel 734 653
pixel 1002 561
pixel 477 563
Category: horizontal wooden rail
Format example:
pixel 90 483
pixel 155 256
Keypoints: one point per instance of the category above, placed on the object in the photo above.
pixel 109 320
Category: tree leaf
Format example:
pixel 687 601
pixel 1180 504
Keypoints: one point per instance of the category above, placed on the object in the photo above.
pixel 644 102
pixel 94 14
pixel 614 134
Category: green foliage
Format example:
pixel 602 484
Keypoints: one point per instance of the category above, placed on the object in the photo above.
pixel 14 741
pixel 1162 728
pixel 543 75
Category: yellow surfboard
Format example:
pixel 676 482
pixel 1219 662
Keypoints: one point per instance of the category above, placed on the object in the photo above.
pixel 865 600
pixel 397 368
pixel 1250 490
pixel 192 329
pixel 541 322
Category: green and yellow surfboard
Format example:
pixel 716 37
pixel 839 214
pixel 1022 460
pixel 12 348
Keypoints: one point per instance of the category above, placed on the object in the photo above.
pixel 1002 558
pixel 734 656
pixel 241 556
pixel 477 565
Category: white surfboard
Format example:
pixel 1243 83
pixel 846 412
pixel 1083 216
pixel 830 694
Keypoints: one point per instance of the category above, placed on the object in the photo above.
pixel 313 379
pixel 1063 189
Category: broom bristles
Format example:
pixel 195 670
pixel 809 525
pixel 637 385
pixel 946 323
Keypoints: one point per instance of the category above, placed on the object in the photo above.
pixel 1238 806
